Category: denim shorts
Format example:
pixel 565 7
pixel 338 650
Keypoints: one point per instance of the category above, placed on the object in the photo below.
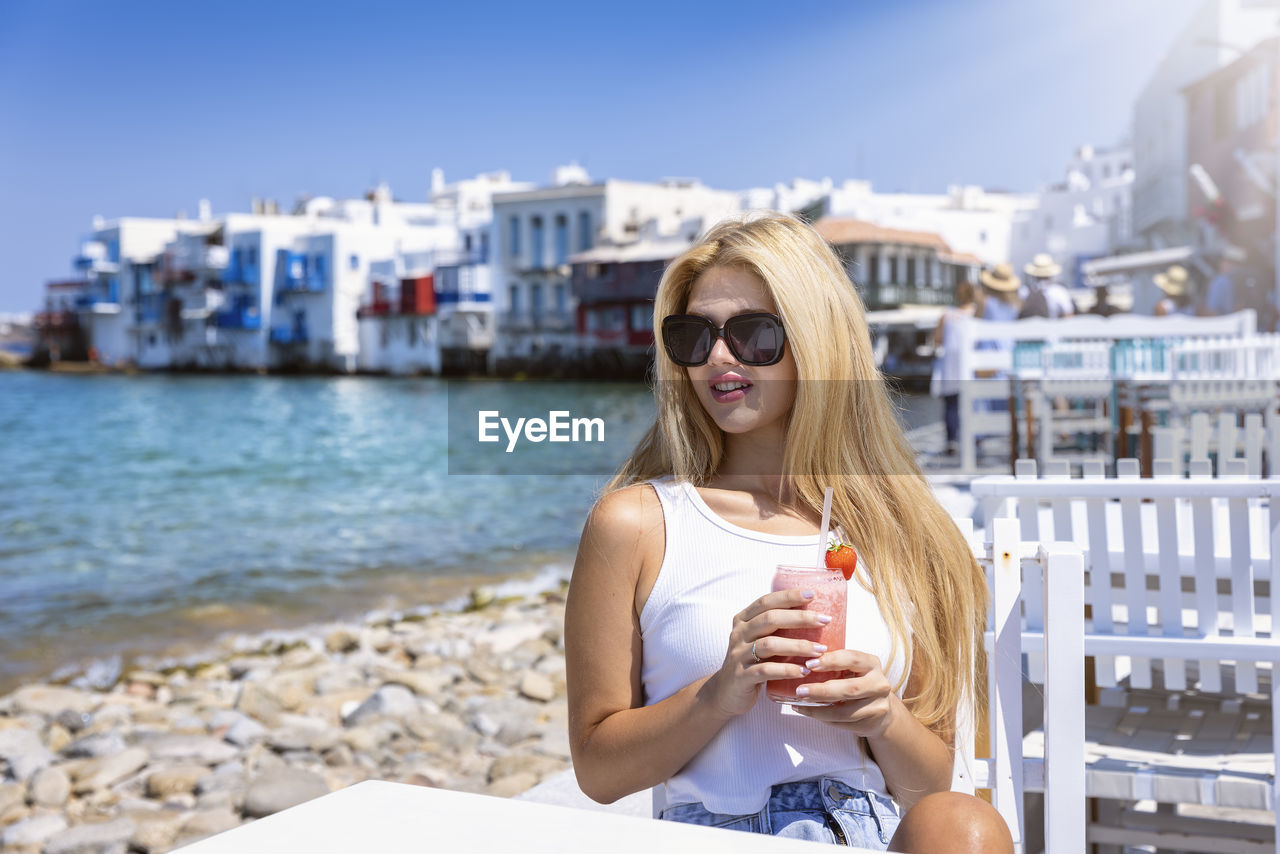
pixel 819 810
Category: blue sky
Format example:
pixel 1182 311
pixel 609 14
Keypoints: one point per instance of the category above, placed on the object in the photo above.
pixel 142 108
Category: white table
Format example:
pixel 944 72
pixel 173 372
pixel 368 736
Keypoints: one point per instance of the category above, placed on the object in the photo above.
pixel 386 818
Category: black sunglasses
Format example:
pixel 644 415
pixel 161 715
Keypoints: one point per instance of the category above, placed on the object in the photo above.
pixel 755 338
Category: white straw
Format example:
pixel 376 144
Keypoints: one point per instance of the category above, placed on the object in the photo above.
pixel 822 532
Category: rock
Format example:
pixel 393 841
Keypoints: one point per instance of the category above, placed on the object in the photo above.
pixel 258 701
pixel 50 787
pixel 339 754
pixel 339 680
pixel 106 837
pixel 22 751
pixel 482 597
pixel 207 823
pixel 57 737
pixel 52 700
pixel 524 763
pixel 11 795
pixel 317 737
pixel 72 720
pixel 216 672
pixel 93 746
pixel 171 781
pixel 154 832
pixel 102 773
pixel 245 731
pixel 33 831
pixel 190 748
pixel 280 789
pixel 342 640
pixel 509 720
pixel 507 637
pixel 508 787
pixel 226 800
pixel 537 686
pixel 424 683
pixel 394 701
pixel 424 774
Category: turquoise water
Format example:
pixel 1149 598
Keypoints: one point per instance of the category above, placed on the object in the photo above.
pixel 140 511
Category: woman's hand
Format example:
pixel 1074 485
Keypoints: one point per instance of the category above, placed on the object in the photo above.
pixel 735 687
pixel 862 703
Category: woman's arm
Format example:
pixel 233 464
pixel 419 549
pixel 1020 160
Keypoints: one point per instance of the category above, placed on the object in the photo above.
pixel 619 745
pixel 915 760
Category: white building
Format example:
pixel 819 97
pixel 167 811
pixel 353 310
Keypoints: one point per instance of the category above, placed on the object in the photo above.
pixel 123 313
pixel 433 311
pixel 970 220
pixel 321 278
pixel 536 231
pixel 1088 215
pixel 1219 32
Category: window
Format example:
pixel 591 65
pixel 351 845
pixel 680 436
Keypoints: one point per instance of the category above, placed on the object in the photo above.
pixel 535 241
pixel 355 262
pixel 251 256
pixel 642 317
pixel 413 334
pixel 561 306
pixel 871 275
pixel 484 247
pixel 513 225
pixel 514 298
pixel 584 230
pixel 466 242
pixel 535 301
pixel 562 239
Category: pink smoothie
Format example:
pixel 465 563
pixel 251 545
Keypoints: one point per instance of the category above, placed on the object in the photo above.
pixel 830 595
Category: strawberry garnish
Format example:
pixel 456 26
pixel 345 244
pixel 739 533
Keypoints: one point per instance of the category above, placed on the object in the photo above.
pixel 841 556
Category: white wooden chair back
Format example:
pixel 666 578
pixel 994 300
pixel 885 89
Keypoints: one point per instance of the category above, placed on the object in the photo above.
pixel 1179 575
pixel 1058 571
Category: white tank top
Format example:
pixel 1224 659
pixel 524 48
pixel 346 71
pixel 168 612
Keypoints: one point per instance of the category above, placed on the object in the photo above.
pixel 713 569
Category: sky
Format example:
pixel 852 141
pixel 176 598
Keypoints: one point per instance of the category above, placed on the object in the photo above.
pixel 140 108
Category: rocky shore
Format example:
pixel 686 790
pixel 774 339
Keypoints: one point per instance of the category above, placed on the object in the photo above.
pixel 470 700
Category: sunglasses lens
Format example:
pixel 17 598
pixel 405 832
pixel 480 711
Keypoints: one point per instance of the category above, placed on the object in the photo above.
pixel 755 340
pixel 687 340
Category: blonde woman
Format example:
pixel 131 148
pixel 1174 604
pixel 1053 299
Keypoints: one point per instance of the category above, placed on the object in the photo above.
pixel 767 392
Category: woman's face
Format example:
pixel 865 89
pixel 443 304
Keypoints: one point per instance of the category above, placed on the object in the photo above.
pixel 740 398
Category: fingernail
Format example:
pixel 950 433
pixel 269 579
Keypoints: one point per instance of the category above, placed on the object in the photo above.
pixel 819 648
pixel 813 662
pixel 804 671
pixel 802 691
pixel 824 619
pixel 808 594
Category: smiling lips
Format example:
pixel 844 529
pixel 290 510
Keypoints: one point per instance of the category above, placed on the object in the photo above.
pixel 727 388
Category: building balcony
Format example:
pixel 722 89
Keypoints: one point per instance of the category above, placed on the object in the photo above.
pixel 239 318
pixel 513 321
pixel 288 335
pixel 379 308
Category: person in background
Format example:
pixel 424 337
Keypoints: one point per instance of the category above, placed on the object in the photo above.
pixel 1102 305
pixel 1219 297
pixel 1177 298
pixel 1046 297
pixel 946 364
pixel 1001 300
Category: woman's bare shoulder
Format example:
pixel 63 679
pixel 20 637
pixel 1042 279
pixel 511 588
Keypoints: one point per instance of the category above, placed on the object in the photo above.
pixel 625 515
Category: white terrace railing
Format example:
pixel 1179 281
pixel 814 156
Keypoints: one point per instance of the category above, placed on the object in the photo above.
pixel 1096 360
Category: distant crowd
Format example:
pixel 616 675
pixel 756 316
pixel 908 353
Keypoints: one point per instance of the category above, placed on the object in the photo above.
pixel 1003 295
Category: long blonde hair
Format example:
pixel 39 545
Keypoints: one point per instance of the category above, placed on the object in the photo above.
pixel 922 572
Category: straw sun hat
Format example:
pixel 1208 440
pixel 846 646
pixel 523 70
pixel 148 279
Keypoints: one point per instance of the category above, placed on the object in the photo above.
pixel 1172 281
pixel 1000 278
pixel 1042 267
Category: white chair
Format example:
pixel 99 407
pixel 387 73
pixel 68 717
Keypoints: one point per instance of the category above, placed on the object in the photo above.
pixel 1179 573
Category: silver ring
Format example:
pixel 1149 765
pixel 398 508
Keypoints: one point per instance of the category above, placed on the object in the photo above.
pixel 758 659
